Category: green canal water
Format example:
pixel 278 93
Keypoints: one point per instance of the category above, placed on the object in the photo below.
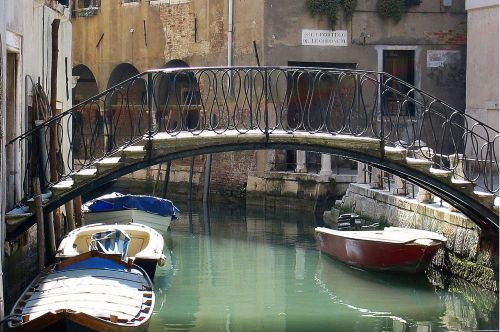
pixel 237 269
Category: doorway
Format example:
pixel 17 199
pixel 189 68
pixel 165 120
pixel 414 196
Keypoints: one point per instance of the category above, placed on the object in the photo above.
pixel 12 125
pixel 401 64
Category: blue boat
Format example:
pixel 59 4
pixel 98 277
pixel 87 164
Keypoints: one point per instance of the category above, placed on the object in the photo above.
pixel 117 208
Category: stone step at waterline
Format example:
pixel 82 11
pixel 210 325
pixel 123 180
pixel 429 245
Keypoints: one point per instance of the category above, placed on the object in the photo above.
pixel 84 174
pixel 108 163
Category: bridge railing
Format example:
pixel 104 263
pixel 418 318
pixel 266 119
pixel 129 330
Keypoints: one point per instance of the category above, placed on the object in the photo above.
pixel 266 99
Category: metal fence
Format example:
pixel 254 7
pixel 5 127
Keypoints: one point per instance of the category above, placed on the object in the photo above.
pixel 314 100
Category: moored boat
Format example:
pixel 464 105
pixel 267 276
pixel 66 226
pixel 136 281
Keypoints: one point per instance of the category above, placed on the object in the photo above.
pixel 89 292
pixel 391 249
pixel 140 243
pixel 116 208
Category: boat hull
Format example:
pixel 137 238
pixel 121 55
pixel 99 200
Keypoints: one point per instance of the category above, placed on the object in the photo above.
pixel 89 292
pixel 74 322
pixel 154 221
pixel 378 255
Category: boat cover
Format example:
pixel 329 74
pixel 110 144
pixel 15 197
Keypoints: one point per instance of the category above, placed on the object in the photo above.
pixel 110 242
pixel 117 201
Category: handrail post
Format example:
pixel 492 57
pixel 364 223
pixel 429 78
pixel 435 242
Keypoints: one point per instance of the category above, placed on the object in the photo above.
pixel 150 113
pixel 266 110
pixel 150 104
pixel 382 133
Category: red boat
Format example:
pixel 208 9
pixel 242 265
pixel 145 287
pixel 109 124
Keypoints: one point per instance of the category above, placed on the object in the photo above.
pixel 391 249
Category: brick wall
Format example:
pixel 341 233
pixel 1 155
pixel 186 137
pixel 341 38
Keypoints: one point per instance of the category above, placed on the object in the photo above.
pixel 453 37
pixel 230 172
pixel 178 21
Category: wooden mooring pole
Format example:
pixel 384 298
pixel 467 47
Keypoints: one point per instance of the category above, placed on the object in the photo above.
pixel 40 227
pixel 77 205
pixel 57 220
pixel 165 182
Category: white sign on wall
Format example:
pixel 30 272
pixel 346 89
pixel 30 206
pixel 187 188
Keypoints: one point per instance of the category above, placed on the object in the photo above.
pixel 324 37
pixel 438 58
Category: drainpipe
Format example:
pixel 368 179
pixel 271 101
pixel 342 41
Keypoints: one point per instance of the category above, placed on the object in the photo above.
pixel 3 197
pixel 230 34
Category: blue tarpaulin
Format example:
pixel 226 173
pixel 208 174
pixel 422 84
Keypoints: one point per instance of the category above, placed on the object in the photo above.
pixel 117 201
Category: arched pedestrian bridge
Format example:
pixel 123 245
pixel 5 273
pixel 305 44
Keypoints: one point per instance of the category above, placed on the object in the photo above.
pixel 163 115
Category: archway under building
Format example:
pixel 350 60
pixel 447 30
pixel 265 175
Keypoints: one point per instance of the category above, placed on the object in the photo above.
pixel 177 108
pixel 86 84
pixel 124 105
pixel 86 87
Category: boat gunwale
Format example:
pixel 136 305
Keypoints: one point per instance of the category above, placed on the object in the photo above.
pixel 355 235
pixel 152 250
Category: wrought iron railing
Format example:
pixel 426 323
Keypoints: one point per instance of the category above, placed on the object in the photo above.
pixel 314 100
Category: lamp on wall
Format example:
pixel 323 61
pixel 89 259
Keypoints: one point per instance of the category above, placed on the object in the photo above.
pixel 362 37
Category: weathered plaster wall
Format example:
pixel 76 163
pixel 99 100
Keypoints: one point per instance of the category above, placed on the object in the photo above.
pixel 483 61
pixel 117 35
pixel 25 33
pixel 482 55
pixel 425 28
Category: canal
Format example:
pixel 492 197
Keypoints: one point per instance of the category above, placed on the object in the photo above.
pixel 241 269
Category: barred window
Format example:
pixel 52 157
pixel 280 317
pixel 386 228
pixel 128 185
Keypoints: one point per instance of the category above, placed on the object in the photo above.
pixel 89 3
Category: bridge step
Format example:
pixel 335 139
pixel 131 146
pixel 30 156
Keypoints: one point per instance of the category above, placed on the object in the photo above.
pixel 107 163
pixel 441 174
pixel 395 153
pixel 84 175
pixel 134 152
pixel 487 199
pixel 420 164
pixel 463 185
pixel 61 187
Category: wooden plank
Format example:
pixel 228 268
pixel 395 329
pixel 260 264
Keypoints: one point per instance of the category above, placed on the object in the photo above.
pixel 84 290
pixel 85 305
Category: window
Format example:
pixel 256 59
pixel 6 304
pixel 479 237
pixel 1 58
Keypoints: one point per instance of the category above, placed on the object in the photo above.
pixel 88 3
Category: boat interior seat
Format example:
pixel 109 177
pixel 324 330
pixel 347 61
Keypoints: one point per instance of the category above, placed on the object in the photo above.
pixel 110 242
pixel 137 244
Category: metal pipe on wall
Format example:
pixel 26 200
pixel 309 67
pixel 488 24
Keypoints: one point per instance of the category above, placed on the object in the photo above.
pixel 230 34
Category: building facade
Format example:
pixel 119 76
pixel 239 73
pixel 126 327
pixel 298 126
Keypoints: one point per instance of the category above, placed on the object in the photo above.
pixel 482 61
pixel 119 38
pixel 26 32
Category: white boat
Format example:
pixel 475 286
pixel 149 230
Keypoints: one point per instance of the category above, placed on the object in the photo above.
pixel 143 244
pixel 116 208
pixel 89 292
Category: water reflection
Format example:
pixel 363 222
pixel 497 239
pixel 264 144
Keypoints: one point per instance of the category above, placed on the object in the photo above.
pixel 236 269
pixel 407 300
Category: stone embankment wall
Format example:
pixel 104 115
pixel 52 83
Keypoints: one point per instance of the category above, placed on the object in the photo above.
pixel 470 253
